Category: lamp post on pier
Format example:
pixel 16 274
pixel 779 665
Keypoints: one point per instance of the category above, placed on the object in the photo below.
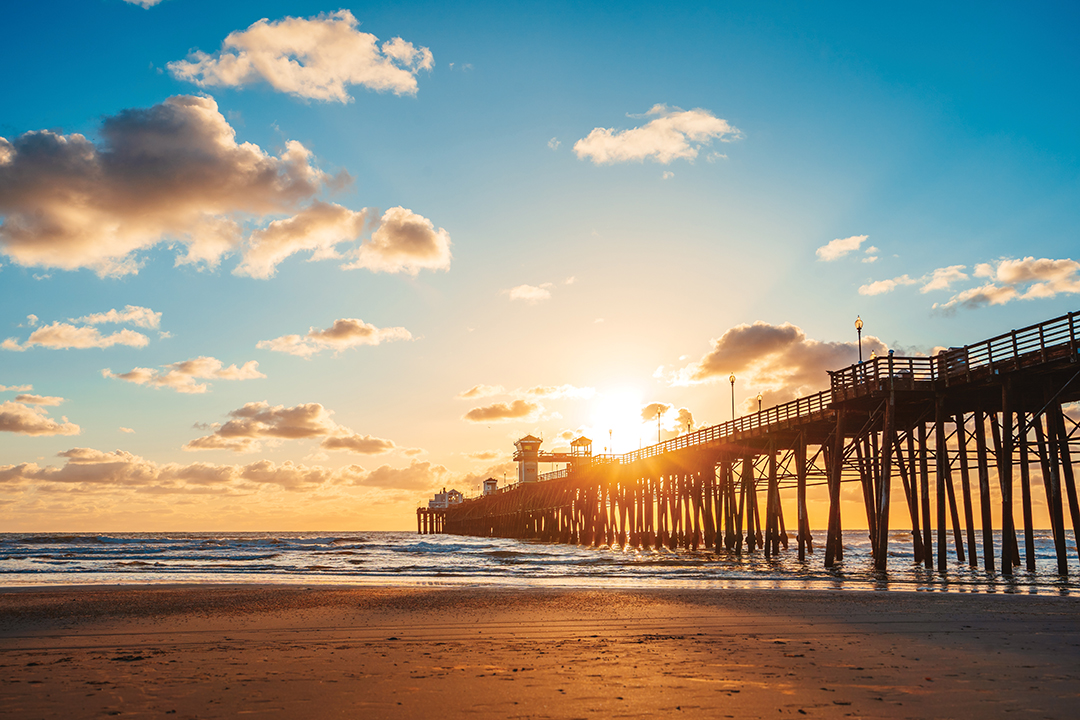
pixel 858 328
pixel 731 378
pixel 759 402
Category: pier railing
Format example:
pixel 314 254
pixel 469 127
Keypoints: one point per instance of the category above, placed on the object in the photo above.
pixel 1014 350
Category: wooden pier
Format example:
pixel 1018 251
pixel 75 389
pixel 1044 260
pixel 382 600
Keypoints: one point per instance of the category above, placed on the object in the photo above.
pixel 965 426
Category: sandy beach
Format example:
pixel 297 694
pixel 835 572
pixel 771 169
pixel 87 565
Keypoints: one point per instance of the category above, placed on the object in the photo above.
pixel 483 652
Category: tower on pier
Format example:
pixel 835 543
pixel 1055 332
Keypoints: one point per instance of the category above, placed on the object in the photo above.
pixel 528 458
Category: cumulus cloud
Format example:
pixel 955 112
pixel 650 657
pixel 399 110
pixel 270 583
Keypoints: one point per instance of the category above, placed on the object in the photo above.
pixel 561 391
pixel 16 388
pixel 258 422
pixel 119 468
pixel 652 410
pixel 317 58
pixel 39 400
pixel 531 294
pixel 881 287
pixel 172 172
pixel 505 412
pixel 360 444
pixel 942 278
pixel 143 3
pixel 60 336
pixel 481 390
pixel 1025 279
pixel 319 228
pixel 673 134
pixel 131 315
pixel 404 242
pixel 126 429
pixel 838 248
pixel 343 334
pixel 778 360
pixel 184 376
pixel 15 417
pixel 417 476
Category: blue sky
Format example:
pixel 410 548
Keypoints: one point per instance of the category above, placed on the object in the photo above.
pixel 946 136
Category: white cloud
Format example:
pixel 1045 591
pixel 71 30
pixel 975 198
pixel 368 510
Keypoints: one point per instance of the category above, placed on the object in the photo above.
pixel 667 175
pixel 1025 279
pixel 505 412
pixel 126 429
pixel 143 3
pixel 63 335
pixel 777 360
pixel 343 334
pixel 131 315
pixel 16 388
pixel 942 278
pixel 404 242
pixel 554 143
pixel 531 294
pixel 838 248
pixel 257 422
pixel 39 400
pixel 183 376
pixel 317 58
pixel 172 172
pixel 561 391
pixel 16 417
pixel 319 228
pixel 478 391
pixel 673 134
pixel 881 287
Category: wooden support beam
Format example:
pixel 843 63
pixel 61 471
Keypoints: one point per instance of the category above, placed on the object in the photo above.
pixel 984 491
pixel 1025 491
pixel 924 486
pixel 800 474
pixel 1067 469
pixel 943 476
pixel 1009 556
pixel 965 488
pixel 1048 452
pixel 834 547
pixel 881 560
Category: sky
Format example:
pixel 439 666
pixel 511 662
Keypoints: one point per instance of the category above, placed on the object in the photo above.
pixel 296 265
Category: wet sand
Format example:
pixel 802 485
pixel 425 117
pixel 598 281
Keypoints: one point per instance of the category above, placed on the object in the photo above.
pixel 482 652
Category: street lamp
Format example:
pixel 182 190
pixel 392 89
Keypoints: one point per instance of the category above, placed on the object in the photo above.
pixel 759 402
pixel 731 378
pixel 659 412
pixel 858 327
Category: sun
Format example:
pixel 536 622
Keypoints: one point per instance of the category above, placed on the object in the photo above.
pixel 615 421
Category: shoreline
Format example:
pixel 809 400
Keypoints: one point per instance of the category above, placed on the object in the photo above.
pixel 491 652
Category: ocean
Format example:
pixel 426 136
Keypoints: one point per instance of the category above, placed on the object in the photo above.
pixel 343 558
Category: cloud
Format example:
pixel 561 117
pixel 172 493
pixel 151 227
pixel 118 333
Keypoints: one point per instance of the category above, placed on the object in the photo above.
pixel 477 391
pixel 531 294
pixel 126 429
pixel 942 278
pixel 417 476
pixel 39 400
pixel 360 444
pixel 16 417
pixel 319 228
pixel 183 376
pixel 673 134
pixel 257 422
pixel 505 412
pixel 881 287
pixel 86 466
pixel 59 336
pixel 316 58
pixel 343 334
pixel 143 3
pixel 1025 279
pixel 16 388
pixel 404 242
pixel 485 455
pixel 838 248
pixel 554 143
pixel 561 391
pixel 131 315
pixel 172 172
pixel 650 411
pixel 667 175
pixel 777 360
